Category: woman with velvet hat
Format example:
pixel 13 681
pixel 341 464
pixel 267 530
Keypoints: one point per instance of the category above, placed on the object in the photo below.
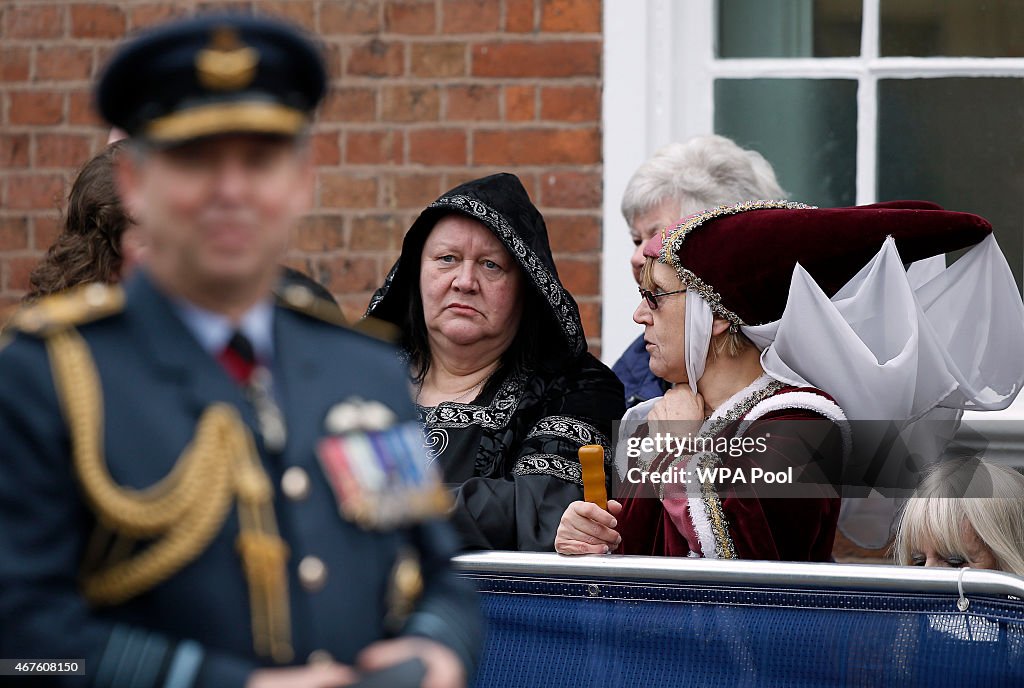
pixel 752 311
pixel 504 384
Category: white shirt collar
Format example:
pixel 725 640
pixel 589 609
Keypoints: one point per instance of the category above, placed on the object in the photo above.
pixel 213 330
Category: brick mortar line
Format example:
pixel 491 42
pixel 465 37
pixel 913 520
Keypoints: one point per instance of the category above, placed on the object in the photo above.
pixel 368 169
pixel 65 171
pixel 550 213
pixel 48 215
pixel 341 126
pixel 343 247
pixel 477 125
pixel 478 37
pixel 61 42
pixel 47 85
pixel 357 213
pixel 364 172
pixel 365 81
pixel 461 125
pixel 588 259
pixel 331 40
pixel 27 254
pixel 503 14
pixel 50 129
pixel 38 131
pixel 385 81
pixel 496 37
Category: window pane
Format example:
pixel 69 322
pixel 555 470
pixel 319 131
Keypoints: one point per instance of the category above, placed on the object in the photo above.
pixel 789 28
pixel 806 128
pixel 958 28
pixel 959 142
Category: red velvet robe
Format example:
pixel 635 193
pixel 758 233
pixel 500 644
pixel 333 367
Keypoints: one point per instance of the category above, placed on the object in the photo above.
pixel 743 524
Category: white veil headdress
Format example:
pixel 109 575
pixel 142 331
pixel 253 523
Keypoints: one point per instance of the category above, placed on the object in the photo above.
pixel 903 346
pixel 913 348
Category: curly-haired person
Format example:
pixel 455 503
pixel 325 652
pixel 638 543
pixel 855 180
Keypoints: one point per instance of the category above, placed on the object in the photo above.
pixel 98 241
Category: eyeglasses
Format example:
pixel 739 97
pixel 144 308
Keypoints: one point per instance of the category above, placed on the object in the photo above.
pixel 652 298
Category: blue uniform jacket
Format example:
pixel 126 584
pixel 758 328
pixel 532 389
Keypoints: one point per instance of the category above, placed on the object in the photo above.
pixel 195 628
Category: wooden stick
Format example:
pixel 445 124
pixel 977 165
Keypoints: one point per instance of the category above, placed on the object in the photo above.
pixel 592 460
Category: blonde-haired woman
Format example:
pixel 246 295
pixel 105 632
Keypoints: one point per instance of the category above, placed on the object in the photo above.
pixel 966 512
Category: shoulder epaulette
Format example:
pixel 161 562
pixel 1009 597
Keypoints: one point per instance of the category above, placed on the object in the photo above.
pixel 76 306
pixel 378 329
pixel 303 300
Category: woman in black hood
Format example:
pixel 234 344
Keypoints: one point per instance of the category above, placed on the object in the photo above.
pixel 504 384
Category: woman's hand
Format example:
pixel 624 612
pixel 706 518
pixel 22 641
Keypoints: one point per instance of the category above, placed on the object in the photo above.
pixel 586 528
pixel 679 403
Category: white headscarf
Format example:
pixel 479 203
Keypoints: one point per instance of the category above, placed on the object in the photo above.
pixel 699 320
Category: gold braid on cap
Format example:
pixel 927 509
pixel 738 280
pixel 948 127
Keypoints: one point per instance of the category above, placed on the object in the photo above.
pixel 672 241
pixel 183 512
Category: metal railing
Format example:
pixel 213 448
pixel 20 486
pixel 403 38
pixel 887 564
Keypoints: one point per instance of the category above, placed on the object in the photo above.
pixel 864 577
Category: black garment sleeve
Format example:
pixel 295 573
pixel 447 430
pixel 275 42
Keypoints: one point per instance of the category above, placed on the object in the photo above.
pixel 521 510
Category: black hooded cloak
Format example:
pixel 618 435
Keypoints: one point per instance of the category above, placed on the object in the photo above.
pixel 510 454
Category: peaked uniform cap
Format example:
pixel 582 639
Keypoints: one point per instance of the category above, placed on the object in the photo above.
pixel 740 258
pixel 213 74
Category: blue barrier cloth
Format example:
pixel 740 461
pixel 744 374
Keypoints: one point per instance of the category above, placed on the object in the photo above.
pixel 606 634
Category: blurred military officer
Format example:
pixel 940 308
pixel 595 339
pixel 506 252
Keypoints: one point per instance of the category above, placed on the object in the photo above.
pixel 201 485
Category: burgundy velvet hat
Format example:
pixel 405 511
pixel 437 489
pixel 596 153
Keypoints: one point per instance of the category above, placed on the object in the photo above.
pixel 740 258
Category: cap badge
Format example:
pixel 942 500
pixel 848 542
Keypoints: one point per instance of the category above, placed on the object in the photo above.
pixel 226 64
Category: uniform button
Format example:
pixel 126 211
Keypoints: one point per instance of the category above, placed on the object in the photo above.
pixel 320 657
pixel 312 573
pixel 295 484
pixel 96 294
pixel 298 295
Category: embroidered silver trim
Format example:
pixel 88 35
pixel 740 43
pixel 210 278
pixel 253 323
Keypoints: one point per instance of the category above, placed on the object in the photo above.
pixel 435 441
pixel 700 515
pixel 711 503
pixel 716 425
pixel 756 386
pixel 692 282
pixel 497 415
pixel 379 295
pixel 672 240
pixel 550 464
pixel 561 303
pixel 569 428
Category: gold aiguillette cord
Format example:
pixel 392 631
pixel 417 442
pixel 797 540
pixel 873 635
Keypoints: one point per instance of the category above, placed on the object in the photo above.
pixel 185 510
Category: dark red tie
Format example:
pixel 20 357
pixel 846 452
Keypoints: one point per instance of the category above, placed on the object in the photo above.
pixel 238 358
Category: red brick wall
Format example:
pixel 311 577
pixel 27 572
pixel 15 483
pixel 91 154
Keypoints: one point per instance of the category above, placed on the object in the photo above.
pixel 425 94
